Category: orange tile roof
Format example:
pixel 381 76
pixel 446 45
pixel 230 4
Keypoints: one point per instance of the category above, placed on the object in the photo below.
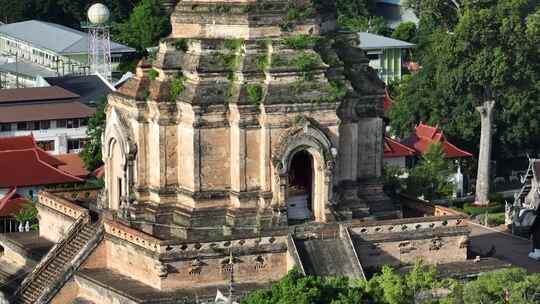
pixel 425 135
pixel 393 148
pixel 74 165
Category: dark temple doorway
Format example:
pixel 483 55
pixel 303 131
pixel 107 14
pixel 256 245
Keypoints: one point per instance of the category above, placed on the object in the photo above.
pixel 300 187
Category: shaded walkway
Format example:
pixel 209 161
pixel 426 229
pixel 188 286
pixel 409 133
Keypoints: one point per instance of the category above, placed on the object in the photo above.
pixel 508 247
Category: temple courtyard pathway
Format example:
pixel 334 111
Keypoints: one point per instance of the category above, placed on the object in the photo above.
pixel 508 247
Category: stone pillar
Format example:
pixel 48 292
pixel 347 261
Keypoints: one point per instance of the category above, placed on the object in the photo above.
pixel 484 157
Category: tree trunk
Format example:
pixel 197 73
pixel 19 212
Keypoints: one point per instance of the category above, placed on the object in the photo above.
pixel 484 157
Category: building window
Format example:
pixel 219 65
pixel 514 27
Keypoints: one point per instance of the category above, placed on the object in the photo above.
pixel 72 123
pixel 47 145
pixel 45 124
pixel 76 143
pixel 21 126
pixel 5 127
pixel 61 123
pixel 34 125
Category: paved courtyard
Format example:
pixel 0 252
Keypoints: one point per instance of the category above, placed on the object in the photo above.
pixel 509 248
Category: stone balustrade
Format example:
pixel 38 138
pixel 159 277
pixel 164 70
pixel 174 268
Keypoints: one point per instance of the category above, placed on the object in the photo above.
pixel 133 236
pixel 61 205
pixel 77 194
pixel 406 225
pixel 224 246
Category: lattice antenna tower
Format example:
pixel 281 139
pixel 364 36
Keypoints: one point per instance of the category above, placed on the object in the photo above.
pixel 99 40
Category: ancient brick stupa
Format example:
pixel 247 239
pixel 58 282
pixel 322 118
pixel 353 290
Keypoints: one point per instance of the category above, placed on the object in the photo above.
pixel 251 143
pixel 212 131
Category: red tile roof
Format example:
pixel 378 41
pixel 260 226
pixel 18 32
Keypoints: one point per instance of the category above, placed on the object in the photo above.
pixel 27 142
pixel 425 135
pixel 44 111
pixel 36 94
pixel 11 203
pixel 25 165
pixel 394 149
pixel 74 165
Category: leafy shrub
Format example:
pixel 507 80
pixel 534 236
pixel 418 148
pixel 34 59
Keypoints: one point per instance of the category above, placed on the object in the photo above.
pixel 336 91
pixel 298 42
pixel 153 74
pixel 233 44
pixel 262 62
pixel 176 87
pixel 430 178
pixel 254 93
pixel 496 219
pixel 473 211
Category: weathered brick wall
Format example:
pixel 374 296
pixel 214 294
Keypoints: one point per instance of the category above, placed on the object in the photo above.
pixel 431 239
pixel 67 294
pixel 263 267
pixel 132 262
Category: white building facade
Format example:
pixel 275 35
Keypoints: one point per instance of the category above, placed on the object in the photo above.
pixel 386 55
pixel 61 50
pixel 60 136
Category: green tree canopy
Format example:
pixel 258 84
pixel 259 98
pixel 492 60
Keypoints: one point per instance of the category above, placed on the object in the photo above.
pixel 406 31
pixel 91 153
pixel 390 287
pixel 430 178
pixel 297 289
pixel 494 44
pixel 145 26
pixel 358 15
pixel 66 12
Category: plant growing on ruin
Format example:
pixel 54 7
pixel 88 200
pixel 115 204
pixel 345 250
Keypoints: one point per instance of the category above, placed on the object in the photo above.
pixel 222 9
pixel 263 62
pixel 153 74
pixel 233 44
pixel 299 41
pixel 180 44
pixel 145 94
pixel 336 91
pixel 305 62
pixel 296 12
pixel 296 120
pixel 176 86
pixel 254 93
pixel 231 58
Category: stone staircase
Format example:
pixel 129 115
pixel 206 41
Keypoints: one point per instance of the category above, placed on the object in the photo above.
pixel 329 256
pixel 55 267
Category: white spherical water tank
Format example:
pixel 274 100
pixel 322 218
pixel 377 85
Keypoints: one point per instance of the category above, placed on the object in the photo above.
pixel 98 14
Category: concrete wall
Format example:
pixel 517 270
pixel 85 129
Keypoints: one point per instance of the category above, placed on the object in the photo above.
pixel 131 262
pixel 52 224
